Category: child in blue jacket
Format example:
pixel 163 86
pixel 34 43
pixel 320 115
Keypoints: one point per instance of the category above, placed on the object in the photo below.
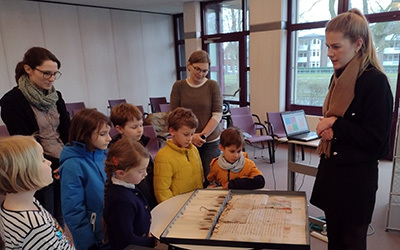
pixel 82 177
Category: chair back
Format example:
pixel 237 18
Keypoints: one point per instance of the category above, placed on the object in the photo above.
pixel 164 107
pixel 276 121
pixel 155 103
pixel 245 122
pixel 115 102
pixel 153 145
pixel 140 107
pixel 4 131
pixel 74 107
pixel 240 110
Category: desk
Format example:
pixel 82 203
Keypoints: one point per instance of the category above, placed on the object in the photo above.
pixel 164 212
pixel 296 167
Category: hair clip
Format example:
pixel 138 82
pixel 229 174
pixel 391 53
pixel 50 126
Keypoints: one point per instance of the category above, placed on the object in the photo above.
pixel 115 162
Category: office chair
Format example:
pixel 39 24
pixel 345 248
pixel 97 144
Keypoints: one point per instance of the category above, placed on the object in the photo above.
pixel 246 123
pixel 164 107
pixel 140 107
pixel 155 103
pixel 115 102
pixel 275 120
pixel 246 110
pixel 74 107
pixel 153 145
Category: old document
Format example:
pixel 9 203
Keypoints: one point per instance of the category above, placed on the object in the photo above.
pixel 263 218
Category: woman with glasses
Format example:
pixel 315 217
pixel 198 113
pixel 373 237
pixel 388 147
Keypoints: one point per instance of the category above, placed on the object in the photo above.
pixel 203 97
pixel 34 106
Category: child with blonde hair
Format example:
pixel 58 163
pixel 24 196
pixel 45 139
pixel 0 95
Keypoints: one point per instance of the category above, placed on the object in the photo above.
pixel 24 223
pixel 126 212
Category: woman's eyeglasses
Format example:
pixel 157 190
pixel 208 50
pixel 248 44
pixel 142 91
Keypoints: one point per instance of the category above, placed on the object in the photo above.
pixel 199 70
pixel 47 74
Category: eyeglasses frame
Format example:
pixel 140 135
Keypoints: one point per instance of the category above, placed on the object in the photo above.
pixel 50 74
pixel 199 70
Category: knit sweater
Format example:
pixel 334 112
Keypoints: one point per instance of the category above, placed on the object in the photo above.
pixel 203 101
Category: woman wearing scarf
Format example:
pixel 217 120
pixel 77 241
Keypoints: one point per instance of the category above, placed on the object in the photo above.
pixel 35 107
pixel 354 132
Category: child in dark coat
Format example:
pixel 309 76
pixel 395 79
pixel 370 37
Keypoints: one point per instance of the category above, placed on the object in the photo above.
pixel 126 212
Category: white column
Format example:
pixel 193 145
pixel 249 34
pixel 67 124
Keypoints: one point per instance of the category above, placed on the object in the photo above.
pixel 192 27
pixel 267 55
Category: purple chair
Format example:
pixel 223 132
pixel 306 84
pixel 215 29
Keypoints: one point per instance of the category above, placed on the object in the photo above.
pixel 115 102
pixel 246 110
pixel 248 126
pixel 155 103
pixel 74 107
pixel 164 107
pixel 275 120
pixel 153 145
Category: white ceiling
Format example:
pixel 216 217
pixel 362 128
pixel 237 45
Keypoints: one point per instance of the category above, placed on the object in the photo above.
pixel 155 6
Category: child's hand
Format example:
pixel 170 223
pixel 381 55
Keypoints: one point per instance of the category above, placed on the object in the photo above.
pixel 56 174
pixel 225 186
pixel 214 184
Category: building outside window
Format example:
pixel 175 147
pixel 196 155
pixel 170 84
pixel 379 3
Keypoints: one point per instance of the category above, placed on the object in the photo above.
pixel 225 32
pixel 310 69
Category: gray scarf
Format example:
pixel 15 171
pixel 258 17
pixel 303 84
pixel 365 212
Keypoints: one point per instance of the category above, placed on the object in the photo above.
pixel 233 167
pixel 36 96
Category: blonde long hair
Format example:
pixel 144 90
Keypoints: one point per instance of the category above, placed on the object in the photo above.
pixel 354 25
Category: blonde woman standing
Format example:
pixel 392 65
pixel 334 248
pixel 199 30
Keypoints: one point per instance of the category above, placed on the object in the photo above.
pixel 355 132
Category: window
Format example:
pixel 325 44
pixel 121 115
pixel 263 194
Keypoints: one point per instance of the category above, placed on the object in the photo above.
pixel 309 70
pixel 226 38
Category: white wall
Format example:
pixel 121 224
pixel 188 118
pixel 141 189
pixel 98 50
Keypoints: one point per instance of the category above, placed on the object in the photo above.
pixel 105 54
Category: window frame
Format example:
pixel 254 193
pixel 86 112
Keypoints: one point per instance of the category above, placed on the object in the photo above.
pixel 343 6
pixel 240 37
pixel 178 42
pixel 292 27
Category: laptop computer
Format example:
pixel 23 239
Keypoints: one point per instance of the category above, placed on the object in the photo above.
pixel 296 126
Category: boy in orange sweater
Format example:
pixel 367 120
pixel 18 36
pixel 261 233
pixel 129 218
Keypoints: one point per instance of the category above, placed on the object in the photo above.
pixel 232 169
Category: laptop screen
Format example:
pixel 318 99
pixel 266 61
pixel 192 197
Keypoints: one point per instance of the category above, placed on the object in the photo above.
pixel 295 122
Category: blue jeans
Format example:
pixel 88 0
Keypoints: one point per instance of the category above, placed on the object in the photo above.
pixel 208 152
